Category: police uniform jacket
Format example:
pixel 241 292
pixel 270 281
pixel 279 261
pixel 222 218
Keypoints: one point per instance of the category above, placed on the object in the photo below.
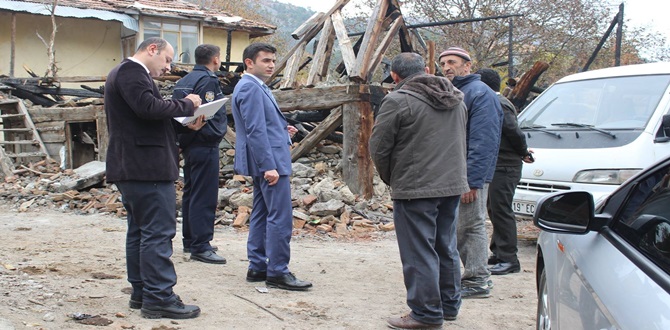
pixel 203 82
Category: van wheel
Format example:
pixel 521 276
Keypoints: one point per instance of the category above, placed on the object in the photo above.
pixel 543 317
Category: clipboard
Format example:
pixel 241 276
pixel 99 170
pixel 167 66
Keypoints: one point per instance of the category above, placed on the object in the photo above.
pixel 207 109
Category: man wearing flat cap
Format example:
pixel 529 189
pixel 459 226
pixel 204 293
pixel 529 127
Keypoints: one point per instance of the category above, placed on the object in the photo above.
pixel 483 140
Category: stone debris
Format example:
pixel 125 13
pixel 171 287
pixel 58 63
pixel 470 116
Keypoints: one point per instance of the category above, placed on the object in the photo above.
pixel 322 202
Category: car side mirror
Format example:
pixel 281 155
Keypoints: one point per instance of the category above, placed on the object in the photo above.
pixel 665 128
pixel 566 212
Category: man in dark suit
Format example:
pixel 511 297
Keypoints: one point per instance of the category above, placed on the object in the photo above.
pixel 201 158
pixel 262 152
pixel 142 162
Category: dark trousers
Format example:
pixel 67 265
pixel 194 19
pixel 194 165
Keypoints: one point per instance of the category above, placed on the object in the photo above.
pixel 426 231
pixel 501 193
pixel 199 202
pixel 151 227
pixel 270 227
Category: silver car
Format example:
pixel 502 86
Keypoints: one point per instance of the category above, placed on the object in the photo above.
pixel 606 267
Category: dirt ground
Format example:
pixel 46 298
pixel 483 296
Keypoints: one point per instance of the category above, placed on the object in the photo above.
pixel 54 264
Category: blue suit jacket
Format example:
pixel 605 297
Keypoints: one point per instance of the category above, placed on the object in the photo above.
pixel 262 134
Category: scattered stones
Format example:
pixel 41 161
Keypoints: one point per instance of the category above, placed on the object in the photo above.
pixel 331 207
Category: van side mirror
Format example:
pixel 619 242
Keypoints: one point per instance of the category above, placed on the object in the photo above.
pixel 664 134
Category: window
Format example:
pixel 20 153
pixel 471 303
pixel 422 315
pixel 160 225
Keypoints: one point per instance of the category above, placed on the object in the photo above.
pixel 183 36
pixel 644 220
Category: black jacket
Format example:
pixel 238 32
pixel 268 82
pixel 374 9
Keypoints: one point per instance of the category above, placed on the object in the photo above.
pixel 203 82
pixel 142 141
pixel 513 145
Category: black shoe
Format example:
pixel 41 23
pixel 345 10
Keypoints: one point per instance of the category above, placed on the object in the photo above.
pixel 288 282
pixel 254 276
pixel 450 317
pixel 175 310
pixel 493 260
pixel 209 257
pixel 188 249
pixel 503 268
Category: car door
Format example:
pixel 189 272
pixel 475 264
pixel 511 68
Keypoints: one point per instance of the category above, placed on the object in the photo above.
pixel 618 277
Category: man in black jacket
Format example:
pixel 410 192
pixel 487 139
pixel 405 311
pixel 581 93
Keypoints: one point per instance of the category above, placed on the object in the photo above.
pixel 201 158
pixel 513 150
pixel 142 162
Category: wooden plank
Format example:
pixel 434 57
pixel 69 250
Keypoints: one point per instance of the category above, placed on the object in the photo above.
pixel 26 154
pixel 346 48
pixel 293 67
pixel 307 25
pixel 87 113
pixel 375 26
pixel 230 136
pixel 31 125
pixel 327 126
pixel 383 46
pixel 28 142
pixel 357 166
pixel 322 54
pixel 313 98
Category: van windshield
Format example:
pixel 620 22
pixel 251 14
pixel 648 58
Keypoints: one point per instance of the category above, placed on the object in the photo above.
pixel 608 103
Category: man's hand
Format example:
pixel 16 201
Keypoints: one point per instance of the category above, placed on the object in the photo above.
pixel 199 123
pixel 195 98
pixel 469 196
pixel 529 157
pixel 272 177
pixel 291 130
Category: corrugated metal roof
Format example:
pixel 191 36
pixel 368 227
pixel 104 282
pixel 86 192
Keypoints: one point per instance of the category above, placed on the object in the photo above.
pixel 165 8
pixel 65 11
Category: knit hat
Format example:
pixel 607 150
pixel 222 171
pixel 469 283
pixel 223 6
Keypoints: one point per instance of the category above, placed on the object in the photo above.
pixel 460 52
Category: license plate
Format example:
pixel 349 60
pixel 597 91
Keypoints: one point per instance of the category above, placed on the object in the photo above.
pixel 523 207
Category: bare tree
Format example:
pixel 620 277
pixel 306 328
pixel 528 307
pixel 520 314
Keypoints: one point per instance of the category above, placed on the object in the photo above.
pixel 52 69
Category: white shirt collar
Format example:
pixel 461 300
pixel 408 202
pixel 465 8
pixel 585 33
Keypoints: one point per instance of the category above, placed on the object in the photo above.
pixel 257 79
pixel 140 63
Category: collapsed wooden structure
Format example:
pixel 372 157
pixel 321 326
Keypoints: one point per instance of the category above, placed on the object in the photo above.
pixel 350 103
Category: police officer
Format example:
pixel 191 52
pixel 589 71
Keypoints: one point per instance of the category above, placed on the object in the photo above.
pixel 201 158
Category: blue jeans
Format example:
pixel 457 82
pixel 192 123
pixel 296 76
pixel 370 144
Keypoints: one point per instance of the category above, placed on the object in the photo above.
pixel 426 232
pixel 473 241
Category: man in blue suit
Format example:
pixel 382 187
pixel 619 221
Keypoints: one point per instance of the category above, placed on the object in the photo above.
pixel 262 152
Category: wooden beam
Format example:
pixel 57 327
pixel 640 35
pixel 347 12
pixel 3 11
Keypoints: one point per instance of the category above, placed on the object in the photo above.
pixel 12 49
pixel 327 126
pixel 58 91
pixel 307 25
pixel 383 46
pixel 405 35
pixel 313 98
pixel 347 50
pixel 431 57
pixel 322 54
pixel 357 166
pixel 293 67
pixel 230 136
pixel 306 39
pixel 522 88
pixel 375 25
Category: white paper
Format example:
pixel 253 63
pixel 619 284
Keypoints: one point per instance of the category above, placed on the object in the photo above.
pixel 207 109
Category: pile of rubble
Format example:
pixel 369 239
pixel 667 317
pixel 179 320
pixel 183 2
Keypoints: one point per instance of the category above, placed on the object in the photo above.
pixel 322 203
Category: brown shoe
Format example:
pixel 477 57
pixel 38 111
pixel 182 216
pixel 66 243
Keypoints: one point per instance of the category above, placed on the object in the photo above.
pixel 407 322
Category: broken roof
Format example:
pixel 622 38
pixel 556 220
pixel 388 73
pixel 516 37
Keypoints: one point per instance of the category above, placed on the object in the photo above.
pixel 179 9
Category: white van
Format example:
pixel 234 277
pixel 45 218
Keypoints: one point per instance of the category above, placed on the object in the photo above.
pixel 593 130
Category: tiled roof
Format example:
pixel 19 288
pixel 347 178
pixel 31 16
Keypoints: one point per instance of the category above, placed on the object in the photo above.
pixel 170 8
